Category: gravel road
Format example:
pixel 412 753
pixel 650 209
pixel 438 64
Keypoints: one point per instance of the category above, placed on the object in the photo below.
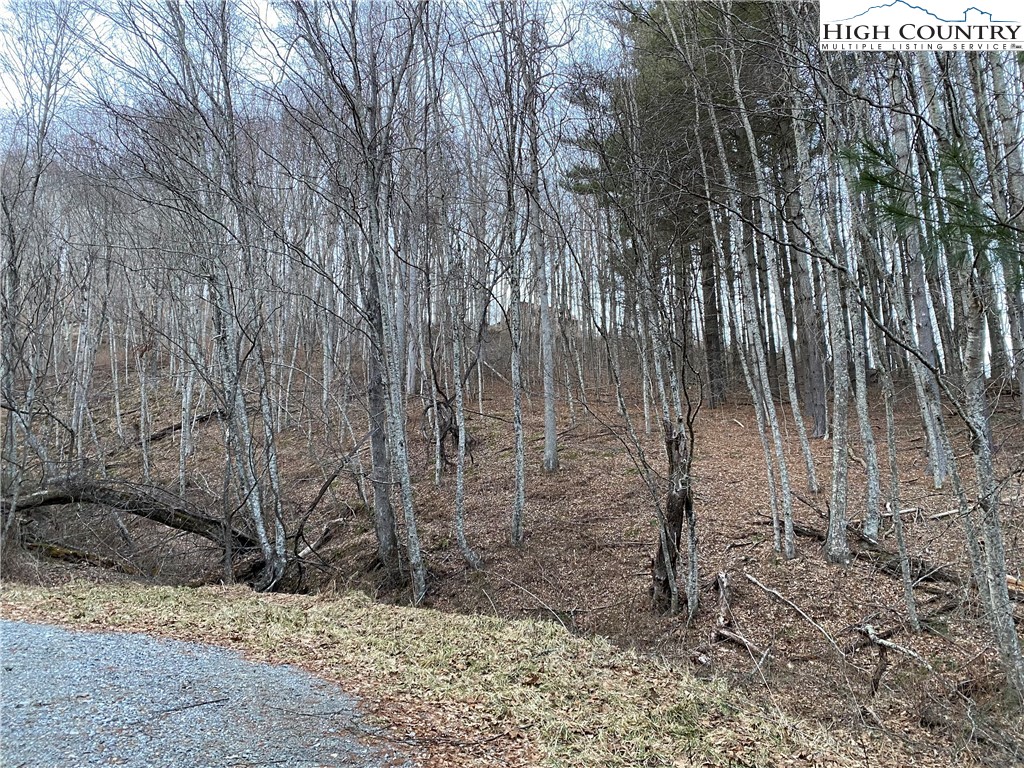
pixel 83 699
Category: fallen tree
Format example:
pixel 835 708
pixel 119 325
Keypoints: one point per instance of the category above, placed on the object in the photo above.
pixel 68 554
pixel 885 560
pixel 160 434
pixel 148 502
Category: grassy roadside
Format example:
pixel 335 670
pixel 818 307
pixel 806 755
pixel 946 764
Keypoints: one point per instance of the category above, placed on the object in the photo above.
pixel 472 690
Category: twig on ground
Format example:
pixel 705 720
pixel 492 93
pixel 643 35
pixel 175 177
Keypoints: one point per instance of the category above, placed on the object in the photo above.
pixel 191 706
pixel 544 605
pixel 798 609
pixel 877 639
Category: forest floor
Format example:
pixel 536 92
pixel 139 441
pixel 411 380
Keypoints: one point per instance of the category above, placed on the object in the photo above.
pixel 591 539
pixel 932 698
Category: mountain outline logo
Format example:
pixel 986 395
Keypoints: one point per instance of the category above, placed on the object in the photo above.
pixel 912 7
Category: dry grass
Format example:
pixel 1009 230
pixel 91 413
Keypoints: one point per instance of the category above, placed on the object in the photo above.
pixel 464 690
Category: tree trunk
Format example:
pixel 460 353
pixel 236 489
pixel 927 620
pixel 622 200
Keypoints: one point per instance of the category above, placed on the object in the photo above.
pixel 837 550
pixel 152 504
pixel 457 310
pixel 1000 608
pixel 808 311
pixel 872 512
pixel 678 509
pixel 920 301
pixel 906 578
pixel 714 350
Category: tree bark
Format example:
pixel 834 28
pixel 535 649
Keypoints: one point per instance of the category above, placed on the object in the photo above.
pixel 678 510
pixel 920 300
pixel 152 504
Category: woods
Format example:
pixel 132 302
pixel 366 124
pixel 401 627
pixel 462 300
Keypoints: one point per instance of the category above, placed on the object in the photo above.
pixel 240 237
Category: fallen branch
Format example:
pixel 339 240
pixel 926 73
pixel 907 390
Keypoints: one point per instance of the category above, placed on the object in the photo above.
pixel 160 434
pixel 810 505
pixel 878 639
pixel 68 554
pixel 864 642
pixel 724 609
pixel 884 559
pixel 182 708
pixel 883 664
pixel 920 569
pixel 754 650
pixel 724 629
pixel 325 538
pixel 798 609
pixel 150 503
pixel 903 512
pixel 854 457
pixel 191 706
pixel 546 608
